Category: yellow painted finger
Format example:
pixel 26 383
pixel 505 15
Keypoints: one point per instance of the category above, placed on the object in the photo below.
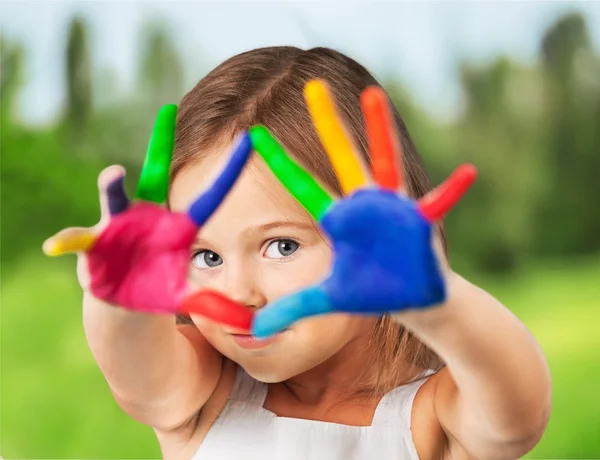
pixel 68 241
pixel 337 144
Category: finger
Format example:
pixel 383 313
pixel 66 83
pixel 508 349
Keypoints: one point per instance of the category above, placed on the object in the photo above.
pixel 112 194
pixel 154 178
pixel 383 142
pixel 439 201
pixel 337 144
pixel 284 312
pixel 117 199
pixel 210 200
pixel 69 240
pixel 218 308
pixel 294 177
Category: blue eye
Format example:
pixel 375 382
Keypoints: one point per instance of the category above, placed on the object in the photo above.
pixel 279 249
pixel 206 259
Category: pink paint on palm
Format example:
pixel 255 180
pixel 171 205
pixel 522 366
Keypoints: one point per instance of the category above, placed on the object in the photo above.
pixel 141 260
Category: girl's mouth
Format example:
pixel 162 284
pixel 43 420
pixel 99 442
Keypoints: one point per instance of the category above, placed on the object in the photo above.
pixel 249 342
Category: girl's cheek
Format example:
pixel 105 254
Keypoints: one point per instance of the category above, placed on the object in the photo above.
pixel 305 270
pixel 200 322
pixel 202 278
pixel 208 329
pixel 205 325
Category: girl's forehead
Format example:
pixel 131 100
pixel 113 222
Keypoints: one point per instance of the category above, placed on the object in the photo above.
pixel 256 190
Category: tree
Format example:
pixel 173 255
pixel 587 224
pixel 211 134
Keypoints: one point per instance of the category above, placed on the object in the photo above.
pixel 160 72
pixel 501 133
pixel 78 77
pixel 568 219
pixel 11 75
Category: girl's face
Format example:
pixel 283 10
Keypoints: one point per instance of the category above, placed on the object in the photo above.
pixel 261 245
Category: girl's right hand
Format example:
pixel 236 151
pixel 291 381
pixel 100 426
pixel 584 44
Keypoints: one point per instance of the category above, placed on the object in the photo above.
pixel 137 257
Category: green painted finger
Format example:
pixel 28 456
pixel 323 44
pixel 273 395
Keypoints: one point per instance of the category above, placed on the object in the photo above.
pixel 294 177
pixel 154 178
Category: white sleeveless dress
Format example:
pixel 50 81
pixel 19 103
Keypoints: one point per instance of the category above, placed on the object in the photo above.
pixel 244 428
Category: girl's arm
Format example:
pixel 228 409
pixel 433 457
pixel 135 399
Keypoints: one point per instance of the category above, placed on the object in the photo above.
pixel 160 374
pixel 494 399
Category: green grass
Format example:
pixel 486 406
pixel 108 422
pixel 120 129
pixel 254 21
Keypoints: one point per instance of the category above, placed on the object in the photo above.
pixel 55 403
pixel 560 304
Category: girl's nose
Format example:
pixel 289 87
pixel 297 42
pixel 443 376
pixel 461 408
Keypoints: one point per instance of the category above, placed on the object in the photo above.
pixel 243 286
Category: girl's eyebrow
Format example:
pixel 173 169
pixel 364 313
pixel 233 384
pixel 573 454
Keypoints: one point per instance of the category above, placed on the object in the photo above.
pixel 257 229
pixel 278 224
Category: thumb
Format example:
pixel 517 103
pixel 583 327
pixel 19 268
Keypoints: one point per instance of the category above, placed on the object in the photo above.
pixel 69 240
pixel 285 311
pixel 219 308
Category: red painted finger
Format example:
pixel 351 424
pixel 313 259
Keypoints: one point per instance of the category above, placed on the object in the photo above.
pixel 439 201
pixel 384 147
pixel 218 308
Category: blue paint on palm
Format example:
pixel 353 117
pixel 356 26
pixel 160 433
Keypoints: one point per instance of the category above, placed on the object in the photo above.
pixel 384 262
pixel 384 259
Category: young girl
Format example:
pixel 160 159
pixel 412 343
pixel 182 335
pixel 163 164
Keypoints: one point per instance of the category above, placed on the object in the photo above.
pixel 462 380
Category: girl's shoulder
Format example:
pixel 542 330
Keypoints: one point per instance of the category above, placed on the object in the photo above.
pixel 428 435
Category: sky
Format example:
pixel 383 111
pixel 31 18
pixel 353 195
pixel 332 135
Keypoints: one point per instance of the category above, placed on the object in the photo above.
pixel 418 42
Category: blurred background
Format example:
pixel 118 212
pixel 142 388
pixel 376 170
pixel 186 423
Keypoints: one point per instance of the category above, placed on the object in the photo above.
pixel 513 87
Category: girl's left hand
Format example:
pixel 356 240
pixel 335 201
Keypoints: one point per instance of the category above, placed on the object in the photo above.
pixel 384 259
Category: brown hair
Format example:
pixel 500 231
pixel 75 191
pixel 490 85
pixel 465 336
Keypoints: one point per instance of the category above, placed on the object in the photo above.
pixel 265 86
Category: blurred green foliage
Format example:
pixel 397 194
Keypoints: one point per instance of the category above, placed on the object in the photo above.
pixel 533 134
pixel 527 232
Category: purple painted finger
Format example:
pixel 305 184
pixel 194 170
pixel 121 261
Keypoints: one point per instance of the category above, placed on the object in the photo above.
pixel 117 199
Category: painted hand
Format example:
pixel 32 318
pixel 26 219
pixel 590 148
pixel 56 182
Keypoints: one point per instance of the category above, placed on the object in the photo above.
pixel 384 259
pixel 138 256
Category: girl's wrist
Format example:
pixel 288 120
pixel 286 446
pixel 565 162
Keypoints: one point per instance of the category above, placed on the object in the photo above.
pixel 434 315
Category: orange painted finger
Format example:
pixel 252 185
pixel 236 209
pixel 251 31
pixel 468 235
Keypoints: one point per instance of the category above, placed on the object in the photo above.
pixel 333 136
pixel 439 201
pixel 386 153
